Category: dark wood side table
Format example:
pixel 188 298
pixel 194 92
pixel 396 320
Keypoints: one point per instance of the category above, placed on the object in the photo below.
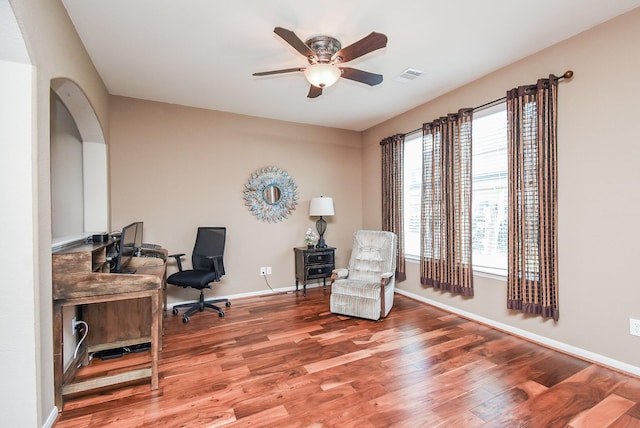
pixel 313 263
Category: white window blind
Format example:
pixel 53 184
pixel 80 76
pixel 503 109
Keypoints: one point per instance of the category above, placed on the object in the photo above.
pixel 490 184
pixel 412 192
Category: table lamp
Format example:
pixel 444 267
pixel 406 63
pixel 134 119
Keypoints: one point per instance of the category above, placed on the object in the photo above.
pixel 322 207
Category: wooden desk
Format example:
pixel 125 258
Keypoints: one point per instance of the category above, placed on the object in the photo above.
pixel 81 277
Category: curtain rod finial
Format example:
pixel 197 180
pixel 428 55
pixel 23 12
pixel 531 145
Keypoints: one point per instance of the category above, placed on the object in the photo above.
pixel 568 74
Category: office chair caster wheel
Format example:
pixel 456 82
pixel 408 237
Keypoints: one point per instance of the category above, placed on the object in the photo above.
pixel 185 319
pixel 175 311
pixel 228 304
pixel 220 314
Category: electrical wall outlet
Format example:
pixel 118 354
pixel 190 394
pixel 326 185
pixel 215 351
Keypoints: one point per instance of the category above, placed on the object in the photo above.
pixel 634 327
pixel 265 270
pixel 73 325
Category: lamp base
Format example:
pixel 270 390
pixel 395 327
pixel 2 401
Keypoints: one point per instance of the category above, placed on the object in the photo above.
pixel 321 225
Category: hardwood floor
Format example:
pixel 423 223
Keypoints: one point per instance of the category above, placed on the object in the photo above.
pixel 284 361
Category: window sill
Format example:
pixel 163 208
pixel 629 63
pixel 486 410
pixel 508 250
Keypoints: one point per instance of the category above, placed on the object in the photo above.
pixel 485 272
pixel 497 274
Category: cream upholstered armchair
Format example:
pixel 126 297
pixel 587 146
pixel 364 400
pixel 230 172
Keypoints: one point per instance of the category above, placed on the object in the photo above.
pixel 366 288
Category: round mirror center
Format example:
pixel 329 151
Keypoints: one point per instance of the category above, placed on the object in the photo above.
pixel 272 194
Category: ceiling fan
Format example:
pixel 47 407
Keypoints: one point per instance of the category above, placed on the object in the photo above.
pixel 325 54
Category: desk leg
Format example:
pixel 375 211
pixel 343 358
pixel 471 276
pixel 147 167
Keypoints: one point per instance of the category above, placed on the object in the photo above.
pixel 155 337
pixel 58 370
pixel 160 316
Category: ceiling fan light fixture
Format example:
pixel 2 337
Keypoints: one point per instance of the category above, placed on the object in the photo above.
pixel 322 75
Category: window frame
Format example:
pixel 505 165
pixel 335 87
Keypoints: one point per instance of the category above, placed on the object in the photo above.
pixel 415 137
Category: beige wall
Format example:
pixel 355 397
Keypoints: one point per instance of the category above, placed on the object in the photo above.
pixel 599 202
pixel 55 51
pixel 176 168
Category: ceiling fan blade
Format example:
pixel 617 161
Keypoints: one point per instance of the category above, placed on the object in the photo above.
pixel 370 79
pixel 370 43
pixel 286 70
pixel 295 42
pixel 314 92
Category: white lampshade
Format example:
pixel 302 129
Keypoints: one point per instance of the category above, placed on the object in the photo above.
pixel 321 207
pixel 322 75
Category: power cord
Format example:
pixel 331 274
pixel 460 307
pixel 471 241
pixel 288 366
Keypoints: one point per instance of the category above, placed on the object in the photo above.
pixel 84 335
pixel 277 292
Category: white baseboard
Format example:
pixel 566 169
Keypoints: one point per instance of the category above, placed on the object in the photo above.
pixel 291 289
pixel 544 341
pixel 51 419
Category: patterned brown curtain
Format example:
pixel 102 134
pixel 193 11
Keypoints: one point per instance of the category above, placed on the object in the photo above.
pixel 445 261
pixel 533 209
pixel 393 195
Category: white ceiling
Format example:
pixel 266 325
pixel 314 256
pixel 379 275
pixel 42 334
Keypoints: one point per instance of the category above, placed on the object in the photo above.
pixel 202 53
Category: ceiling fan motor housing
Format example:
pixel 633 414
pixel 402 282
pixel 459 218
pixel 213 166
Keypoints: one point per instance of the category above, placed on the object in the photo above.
pixel 324 47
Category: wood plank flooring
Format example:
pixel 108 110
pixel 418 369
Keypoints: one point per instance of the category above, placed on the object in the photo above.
pixel 284 360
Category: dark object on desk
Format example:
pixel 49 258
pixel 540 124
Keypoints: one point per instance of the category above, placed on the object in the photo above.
pixel 100 237
pixel 126 249
pixel 208 267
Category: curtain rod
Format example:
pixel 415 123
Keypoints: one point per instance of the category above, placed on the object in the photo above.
pixel 566 75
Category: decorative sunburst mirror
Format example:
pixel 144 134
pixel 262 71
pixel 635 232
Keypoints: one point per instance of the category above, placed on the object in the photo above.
pixel 271 194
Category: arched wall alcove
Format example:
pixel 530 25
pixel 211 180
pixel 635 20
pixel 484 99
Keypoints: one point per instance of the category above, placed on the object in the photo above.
pixel 93 165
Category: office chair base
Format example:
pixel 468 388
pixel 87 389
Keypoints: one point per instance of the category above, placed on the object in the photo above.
pixel 200 307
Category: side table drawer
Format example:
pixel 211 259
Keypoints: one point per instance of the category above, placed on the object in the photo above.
pixel 319 271
pixel 325 257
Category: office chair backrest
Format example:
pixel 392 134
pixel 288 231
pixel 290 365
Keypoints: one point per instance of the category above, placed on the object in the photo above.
pixel 209 243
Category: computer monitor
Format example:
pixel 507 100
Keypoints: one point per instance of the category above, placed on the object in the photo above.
pixel 138 240
pixel 126 249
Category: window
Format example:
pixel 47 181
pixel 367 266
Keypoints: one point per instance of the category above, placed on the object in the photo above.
pixel 490 185
pixel 489 199
pixel 412 192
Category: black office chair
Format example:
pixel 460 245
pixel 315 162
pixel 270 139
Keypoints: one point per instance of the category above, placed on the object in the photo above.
pixel 208 267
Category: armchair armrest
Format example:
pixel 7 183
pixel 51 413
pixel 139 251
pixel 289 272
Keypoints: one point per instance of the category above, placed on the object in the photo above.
pixel 178 259
pixel 339 273
pixel 385 278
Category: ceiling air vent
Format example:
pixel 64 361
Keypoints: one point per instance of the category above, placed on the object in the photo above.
pixel 408 75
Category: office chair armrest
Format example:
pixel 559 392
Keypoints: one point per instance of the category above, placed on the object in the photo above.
pixel 178 260
pixel 214 266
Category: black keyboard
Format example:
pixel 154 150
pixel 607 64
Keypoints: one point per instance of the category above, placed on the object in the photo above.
pixel 152 256
pixel 151 246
